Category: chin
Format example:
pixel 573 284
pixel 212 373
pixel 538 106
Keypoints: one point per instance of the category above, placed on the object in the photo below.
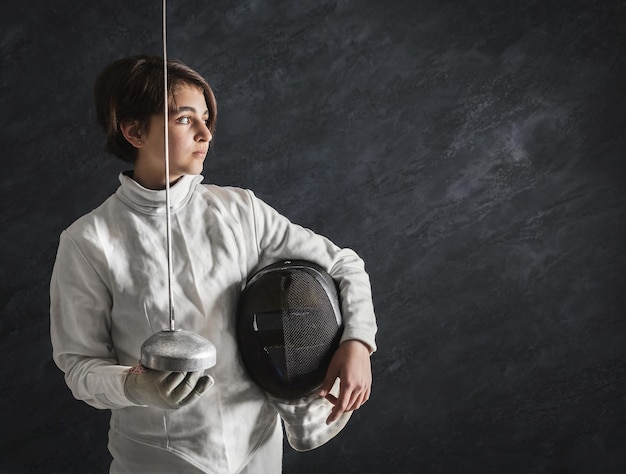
pixel 193 170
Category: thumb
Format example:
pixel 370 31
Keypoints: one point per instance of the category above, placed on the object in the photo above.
pixel 329 381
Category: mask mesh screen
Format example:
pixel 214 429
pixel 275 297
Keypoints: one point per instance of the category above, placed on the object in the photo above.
pixel 288 330
pixel 309 323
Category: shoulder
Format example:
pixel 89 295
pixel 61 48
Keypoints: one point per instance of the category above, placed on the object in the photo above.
pixel 85 228
pixel 225 194
pixel 228 198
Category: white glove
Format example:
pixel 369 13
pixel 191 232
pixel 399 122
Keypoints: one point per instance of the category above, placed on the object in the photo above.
pixel 169 390
pixel 305 420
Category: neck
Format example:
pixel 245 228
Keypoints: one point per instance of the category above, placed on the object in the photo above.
pixel 152 181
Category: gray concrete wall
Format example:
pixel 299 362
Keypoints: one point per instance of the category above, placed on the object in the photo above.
pixel 473 152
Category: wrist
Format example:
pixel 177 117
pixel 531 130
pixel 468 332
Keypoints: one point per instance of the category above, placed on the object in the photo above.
pixel 357 344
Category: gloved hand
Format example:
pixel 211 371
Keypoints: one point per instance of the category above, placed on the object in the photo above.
pixel 169 390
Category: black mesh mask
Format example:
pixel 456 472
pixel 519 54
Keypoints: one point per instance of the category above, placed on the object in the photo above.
pixel 288 327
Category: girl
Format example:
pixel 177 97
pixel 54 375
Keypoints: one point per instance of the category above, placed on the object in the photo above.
pixel 107 296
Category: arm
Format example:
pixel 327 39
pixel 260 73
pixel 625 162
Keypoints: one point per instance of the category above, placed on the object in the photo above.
pixel 80 323
pixel 80 319
pixel 278 239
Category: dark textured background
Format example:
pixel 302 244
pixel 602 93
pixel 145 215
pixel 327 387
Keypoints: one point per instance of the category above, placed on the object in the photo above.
pixel 471 151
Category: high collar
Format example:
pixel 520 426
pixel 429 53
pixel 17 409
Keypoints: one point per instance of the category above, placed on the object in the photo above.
pixel 150 201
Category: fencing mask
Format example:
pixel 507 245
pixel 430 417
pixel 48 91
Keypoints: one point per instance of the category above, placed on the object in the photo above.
pixel 288 327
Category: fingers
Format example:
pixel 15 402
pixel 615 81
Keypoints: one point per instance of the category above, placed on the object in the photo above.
pixel 341 405
pixel 351 397
pixel 182 388
pixel 331 398
pixel 360 401
pixel 169 381
pixel 202 386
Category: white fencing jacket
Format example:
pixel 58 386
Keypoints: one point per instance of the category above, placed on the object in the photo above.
pixel 109 294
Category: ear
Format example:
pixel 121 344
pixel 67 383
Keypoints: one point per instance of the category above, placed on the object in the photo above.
pixel 132 132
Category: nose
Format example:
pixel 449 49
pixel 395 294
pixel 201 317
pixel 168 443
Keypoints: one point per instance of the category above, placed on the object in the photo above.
pixel 203 134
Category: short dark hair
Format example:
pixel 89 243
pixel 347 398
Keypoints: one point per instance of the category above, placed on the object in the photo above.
pixel 132 89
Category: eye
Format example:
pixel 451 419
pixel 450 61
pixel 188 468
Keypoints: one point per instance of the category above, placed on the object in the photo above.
pixel 184 120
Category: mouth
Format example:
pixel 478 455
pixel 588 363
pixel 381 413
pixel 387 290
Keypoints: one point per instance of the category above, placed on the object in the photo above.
pixel 201 153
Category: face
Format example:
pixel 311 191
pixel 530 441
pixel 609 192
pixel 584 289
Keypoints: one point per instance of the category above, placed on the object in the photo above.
pixel 188 137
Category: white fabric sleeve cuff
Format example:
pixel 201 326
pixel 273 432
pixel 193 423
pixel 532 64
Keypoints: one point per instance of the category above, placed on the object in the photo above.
pixel 106 383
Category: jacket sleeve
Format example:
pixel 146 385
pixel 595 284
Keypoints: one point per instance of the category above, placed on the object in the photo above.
pixel 277 238
pixel 80 309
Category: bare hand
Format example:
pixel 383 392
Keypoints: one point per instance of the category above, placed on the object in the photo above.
pixel 351 364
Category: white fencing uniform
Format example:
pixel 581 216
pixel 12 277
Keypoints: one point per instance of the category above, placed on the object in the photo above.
pixel 109 294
